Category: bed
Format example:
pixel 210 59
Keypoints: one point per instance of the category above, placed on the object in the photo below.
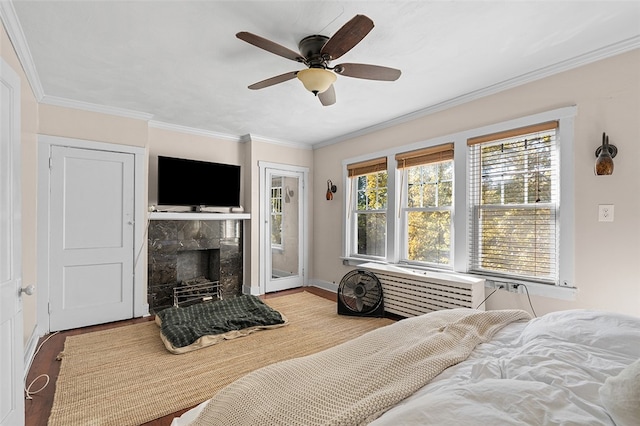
pixel 577 367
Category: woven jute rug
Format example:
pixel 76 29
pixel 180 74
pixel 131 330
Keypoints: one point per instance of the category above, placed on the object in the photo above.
pixel 125 375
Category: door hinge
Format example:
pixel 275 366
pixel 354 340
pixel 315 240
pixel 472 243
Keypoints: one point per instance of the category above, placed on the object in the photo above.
pixel 50 163
pixel 49 307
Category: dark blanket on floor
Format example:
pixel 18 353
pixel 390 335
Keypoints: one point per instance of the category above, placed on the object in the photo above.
pixel 183 326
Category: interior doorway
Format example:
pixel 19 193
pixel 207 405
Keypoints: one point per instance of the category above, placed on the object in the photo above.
pixel 91 228
pixel 283 227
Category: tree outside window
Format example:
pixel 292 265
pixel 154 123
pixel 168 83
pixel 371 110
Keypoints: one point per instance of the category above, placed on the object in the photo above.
pixel 428 213
pixel 368 208
pixel 427 176
pixel 514 200
pixel 371 214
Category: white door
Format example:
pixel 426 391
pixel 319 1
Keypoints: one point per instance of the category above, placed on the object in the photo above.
pixel 91 244
pixel 285 229
pixel 11 336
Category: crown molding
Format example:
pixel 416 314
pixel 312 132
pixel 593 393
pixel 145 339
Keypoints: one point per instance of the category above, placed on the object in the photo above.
pixel 575 62
pixel 224 136
pixel 193 131
pixel 88 106
pixel 256 138
pixel 19 42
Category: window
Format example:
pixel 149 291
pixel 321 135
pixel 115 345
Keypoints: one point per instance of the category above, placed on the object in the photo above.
pixel 368 209
pixel 494 210
pixel 427 181
pixel 514 203
pixel 276 212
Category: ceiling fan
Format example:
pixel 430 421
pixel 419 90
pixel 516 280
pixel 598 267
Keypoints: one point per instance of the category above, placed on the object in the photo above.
pixel 316 52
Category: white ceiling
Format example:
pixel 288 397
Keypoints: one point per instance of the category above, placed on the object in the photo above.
pixel 180 61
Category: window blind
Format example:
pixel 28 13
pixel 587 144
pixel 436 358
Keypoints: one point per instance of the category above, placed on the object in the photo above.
pixel 514 180
pixel 368 166
pixel 419 157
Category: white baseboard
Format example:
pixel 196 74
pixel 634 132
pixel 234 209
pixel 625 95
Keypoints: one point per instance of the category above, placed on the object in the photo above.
pixel 254 291
pixel 30 350
pixel 325 285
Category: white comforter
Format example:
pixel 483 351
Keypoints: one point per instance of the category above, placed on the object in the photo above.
pixel 543 372
pixel 547 371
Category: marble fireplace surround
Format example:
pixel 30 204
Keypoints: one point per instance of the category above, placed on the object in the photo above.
pixel 182 246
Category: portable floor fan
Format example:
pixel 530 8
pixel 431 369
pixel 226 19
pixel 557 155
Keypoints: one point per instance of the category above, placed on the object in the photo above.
pixel 360 294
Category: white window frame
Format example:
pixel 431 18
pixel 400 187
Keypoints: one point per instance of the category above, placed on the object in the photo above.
pixel 522 204
pixel 404 222
pixel 566 211
pixel 353 223
pixel 349 242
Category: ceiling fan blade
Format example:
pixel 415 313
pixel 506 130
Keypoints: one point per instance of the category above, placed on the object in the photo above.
pixel 369 72
pixel 347 37
pixel 270 46
pixel 273 80
pixel 328 97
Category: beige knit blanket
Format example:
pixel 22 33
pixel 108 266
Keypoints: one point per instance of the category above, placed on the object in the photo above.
pixel 355 382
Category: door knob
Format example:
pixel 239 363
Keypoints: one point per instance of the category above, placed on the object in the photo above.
pixel 28 290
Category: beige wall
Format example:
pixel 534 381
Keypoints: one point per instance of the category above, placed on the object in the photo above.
pixel 93 126
pixel 607 255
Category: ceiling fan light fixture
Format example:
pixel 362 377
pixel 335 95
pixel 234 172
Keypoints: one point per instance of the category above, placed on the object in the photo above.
pixel 316 80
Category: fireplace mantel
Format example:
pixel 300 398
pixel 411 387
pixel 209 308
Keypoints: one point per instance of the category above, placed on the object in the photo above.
pixel 198 216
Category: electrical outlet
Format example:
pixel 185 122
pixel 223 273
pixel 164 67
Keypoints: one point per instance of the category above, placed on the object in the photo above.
pixel 605 213
pixel 513 287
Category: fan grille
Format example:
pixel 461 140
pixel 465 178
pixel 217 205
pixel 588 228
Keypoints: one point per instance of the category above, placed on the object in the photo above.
pixel 360 291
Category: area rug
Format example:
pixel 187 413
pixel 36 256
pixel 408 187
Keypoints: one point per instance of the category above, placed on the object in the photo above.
pixel 125 375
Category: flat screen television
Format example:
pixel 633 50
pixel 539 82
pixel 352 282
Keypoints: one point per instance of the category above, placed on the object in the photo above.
pixel 193 183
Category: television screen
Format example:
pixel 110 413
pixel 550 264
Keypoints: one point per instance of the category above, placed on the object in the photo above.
pixel 183 182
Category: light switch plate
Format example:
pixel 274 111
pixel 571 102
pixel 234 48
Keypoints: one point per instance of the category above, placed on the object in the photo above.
pixel 605 213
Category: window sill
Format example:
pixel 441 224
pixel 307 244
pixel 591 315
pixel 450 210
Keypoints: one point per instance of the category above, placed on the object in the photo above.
pixel 357 261
pixel 535 289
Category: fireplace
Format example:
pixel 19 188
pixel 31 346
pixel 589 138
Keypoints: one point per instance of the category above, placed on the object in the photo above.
pixel 186 250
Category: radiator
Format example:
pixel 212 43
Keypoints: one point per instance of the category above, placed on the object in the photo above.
pixel 410 292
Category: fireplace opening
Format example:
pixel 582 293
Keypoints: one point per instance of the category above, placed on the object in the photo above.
pixel 198 274
pixel 193 264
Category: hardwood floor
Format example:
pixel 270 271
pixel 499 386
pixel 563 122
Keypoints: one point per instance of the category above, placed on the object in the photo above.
pixel 38 408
